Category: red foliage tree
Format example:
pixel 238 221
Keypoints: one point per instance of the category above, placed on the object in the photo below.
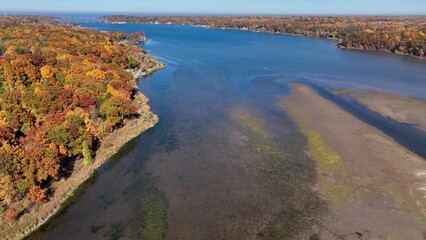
pixel 36 194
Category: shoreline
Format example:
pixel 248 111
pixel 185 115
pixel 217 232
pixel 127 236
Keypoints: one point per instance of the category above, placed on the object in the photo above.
pixel 283 34
pixel 37 218
pixel 148 70
pixel 308 36
pixel 373 184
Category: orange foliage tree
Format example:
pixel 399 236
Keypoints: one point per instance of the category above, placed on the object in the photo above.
pixel 60 87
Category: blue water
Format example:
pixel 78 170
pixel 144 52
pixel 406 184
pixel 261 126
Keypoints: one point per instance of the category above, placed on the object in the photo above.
pixel 218 87
pixel 248 54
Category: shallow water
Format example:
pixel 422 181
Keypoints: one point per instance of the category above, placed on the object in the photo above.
pixel 225 161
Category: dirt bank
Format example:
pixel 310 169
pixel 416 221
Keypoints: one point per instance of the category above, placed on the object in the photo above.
pixel 375 187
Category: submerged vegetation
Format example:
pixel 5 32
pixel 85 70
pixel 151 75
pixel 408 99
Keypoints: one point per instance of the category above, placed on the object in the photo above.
pixel 151 205
pixel 331 168
pixel 291 178
pixel 63 90
pixel 405 35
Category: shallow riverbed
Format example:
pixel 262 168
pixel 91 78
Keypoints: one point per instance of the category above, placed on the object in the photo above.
pixel 225 161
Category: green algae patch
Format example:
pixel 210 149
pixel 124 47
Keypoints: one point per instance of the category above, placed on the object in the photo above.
pixel 282 169
pixel 253 124
pixel 288 175
pixel 151 205
pixel 279 168
pixel 116 231
pixel 332 171
pixel 269 152
pixel 328 160
pixel 154 215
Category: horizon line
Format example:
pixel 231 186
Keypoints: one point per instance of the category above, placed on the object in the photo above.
pixel 20 12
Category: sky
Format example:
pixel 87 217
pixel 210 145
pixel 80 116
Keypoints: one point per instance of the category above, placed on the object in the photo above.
pixel 260 7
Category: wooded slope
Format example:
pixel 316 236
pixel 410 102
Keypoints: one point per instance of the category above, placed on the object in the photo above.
pixel 62 90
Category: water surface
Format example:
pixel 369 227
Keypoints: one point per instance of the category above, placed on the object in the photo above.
pixel 225 161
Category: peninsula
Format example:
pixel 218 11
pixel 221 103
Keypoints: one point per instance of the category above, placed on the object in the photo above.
pixel 68 102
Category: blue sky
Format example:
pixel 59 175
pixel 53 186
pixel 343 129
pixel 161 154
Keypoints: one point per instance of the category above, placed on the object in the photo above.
pixel 283 7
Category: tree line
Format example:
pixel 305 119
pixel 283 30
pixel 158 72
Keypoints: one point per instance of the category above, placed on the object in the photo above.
pixel 62 90
pixel 403 35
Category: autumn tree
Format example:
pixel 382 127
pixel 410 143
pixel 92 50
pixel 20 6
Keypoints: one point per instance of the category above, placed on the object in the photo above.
pixel 61 89
pixel 116 109
pixel 87 155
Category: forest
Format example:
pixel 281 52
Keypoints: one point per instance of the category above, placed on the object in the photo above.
pixel 401 35
pixel 62 90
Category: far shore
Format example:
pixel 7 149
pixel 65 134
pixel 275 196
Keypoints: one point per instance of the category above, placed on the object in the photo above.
pixel 64 189
pixel 374 185
pixel 277 33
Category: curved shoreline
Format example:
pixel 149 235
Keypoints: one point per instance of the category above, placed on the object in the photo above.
pixel 386 51
pixel 65 188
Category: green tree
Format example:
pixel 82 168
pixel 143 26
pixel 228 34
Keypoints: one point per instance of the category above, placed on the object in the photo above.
pixel 87 155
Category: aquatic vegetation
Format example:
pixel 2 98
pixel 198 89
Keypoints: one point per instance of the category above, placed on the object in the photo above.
pixel 115 231
pixel 151 205
pixel 290 176
pixel 169 143
pixel 331 168
pixel 288 225
pixel 106 201
pixel 95 228
pixel 154 215
pixel 278 166
pixel 327 159
pixel 253 124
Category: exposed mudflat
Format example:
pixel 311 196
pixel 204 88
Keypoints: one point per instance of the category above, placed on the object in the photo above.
pixel 375 187
pixel 401 109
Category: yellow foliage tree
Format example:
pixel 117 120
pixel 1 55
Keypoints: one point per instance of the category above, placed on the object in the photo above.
pixel 11 51
pixel 98 74
pixel 115 92
pixel 7 191
pixel 63 150
pixel 47 72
